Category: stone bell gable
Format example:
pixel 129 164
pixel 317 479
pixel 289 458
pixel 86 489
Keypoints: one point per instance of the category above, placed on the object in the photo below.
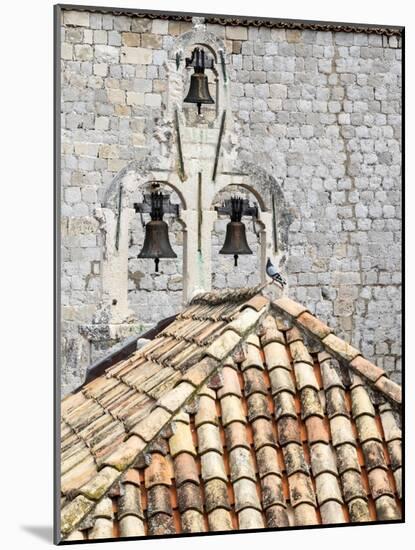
pixel 305 123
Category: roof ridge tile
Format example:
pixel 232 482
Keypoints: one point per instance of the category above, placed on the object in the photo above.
pixel 337 347
pixel 287 305
pixel 215 297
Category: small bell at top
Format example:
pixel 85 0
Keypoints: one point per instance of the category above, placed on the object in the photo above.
pixel 199 84
pixel 235 240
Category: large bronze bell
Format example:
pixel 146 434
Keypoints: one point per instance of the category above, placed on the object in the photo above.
pixel 235 240
pixel 199 84
pixel 156 241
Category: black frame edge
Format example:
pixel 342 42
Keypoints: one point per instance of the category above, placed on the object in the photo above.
pixel 57 11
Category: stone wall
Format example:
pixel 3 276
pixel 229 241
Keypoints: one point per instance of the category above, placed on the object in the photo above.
pixel 319 111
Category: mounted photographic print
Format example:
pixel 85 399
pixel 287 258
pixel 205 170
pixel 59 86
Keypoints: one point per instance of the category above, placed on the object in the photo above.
pixel 228 274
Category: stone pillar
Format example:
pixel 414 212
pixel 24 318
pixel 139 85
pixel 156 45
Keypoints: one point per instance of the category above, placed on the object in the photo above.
pixel 115 263
pixel 196 263
pixel 266 244
pixel 205 265
pixel 114 320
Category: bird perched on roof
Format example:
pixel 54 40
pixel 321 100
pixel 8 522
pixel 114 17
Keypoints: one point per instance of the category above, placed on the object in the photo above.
pixel 273 273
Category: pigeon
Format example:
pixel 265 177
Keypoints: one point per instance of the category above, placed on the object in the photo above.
pixel 273 273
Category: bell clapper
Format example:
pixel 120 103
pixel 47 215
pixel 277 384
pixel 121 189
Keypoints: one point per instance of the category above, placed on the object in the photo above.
pixel 156 263
pixel 235 257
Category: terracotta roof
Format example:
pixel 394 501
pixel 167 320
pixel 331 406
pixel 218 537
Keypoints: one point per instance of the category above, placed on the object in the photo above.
pixel 244 413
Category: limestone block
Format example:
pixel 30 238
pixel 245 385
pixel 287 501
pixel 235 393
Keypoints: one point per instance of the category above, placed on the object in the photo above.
pixel 76 18
pixel 141 25
pixel 83 52
pixel 160 27
pixel 88 36
pixel 66 51
pixel 236 33
pixel 72 194
pixel 86 149
pixel 159 57
pixel 153 100
pixel 152 41
pixel 116 96
pixel 109 151
pixel 74 35
pixel 142 85
pixel 122 110
pixel 114 38
pixel 107 21
pixel 115 165
pixel 89 194
pixel 106 54
pixel 139 140
pixel 100 69
pixel 131 39
pixel 135 98
pixel 278 91
pixel 122 23
pixel 136 55
pixel 293 35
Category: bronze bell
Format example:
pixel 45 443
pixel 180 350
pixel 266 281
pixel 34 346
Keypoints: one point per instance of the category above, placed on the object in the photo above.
pixel 156 241
pixel 199 84
pixel 235 240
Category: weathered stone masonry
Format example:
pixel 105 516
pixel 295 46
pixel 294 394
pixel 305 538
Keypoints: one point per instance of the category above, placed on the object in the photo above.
pixel 319 111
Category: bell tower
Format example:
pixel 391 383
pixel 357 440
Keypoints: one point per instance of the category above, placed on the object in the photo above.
pixel 198 161
pixel 205 157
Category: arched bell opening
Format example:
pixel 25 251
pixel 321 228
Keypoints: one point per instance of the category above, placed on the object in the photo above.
pixel 256 196
pixel 155 294
pixel 131 180
pixel 208 86
pixel 230 237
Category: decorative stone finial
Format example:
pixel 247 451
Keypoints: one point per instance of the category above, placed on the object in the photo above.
pixel 199 23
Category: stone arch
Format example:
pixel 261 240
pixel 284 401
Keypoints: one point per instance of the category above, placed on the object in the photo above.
pixel 116 217
pixel 177 79
pixel 274 214
pixel 208 46
pixel 248 272
pixel 247 187
pixel 198 35
pixel 270 189
pixel 155 295
pixel 143 174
